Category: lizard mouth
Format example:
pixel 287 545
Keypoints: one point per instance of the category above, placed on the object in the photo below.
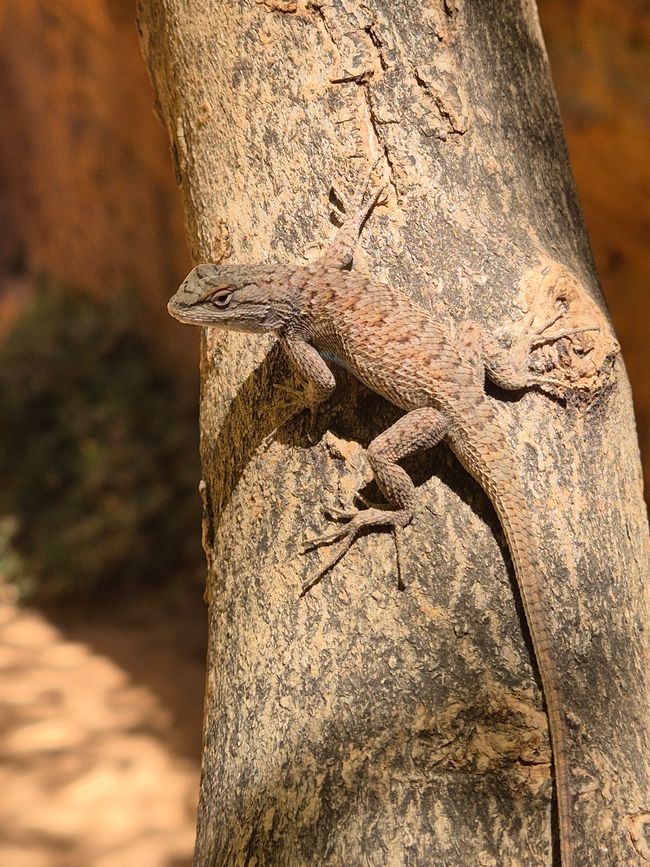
pixel 183 314
pixel 190 315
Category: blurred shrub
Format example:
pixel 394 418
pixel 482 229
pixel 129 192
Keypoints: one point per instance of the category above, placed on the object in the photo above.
pixel 98 449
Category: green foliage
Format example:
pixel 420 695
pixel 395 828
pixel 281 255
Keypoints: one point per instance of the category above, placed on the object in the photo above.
pixel 98 448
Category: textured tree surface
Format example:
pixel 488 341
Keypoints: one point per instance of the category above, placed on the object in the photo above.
pixel 362 724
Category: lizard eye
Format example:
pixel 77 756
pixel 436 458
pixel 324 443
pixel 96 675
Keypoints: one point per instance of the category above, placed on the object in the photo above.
pixel 221 299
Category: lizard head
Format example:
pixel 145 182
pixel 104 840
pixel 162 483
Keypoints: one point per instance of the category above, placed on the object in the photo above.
pixel 230 296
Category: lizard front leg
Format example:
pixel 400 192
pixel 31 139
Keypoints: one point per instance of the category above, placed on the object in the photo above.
pixel 318 378
pixel 340 252
pixel 419 429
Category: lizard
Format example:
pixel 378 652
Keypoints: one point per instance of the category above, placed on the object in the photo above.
pixel 324 311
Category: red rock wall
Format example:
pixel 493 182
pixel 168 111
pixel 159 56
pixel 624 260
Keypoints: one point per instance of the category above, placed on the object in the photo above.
pixel 87 184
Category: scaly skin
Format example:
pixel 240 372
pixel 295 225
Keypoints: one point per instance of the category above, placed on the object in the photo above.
pixel 437 376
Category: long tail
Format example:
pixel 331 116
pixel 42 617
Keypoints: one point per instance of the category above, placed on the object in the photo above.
pixel 524 552
pixel 498 476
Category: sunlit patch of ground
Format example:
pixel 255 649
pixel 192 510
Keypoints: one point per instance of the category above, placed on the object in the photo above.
pixel 90 770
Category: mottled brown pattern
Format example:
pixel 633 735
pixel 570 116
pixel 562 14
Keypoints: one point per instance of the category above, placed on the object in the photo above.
pixel 405 354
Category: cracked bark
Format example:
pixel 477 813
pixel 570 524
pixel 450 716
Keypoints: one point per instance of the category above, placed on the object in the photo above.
pixel 362 724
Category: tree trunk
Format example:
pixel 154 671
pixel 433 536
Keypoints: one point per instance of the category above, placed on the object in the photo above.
pixel 361 724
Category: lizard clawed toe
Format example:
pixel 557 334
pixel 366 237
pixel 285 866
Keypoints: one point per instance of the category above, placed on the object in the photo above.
pixel 337 533
pixel 325 538
pixel 347 533
pixel 541 337
pixel 533 337
pixel 355 519
pixel 329 564
pixel 342 514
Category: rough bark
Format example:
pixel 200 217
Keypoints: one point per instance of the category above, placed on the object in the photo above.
pixel 362 724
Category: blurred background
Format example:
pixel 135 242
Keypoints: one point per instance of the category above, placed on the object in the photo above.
pixel 102 622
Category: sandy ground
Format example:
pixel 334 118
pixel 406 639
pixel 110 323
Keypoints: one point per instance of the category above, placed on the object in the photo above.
pixel 100 715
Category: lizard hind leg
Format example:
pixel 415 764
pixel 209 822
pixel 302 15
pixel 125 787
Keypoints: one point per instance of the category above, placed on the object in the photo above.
pixel 419 429
pixel 509 368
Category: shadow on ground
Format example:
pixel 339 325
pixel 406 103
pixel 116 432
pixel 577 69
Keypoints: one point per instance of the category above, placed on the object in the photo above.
pixel 101 730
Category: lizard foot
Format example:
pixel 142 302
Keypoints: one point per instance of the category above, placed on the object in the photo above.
pixel 346 534
pixel 531 337
pixel 542 335
pixel 513 371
